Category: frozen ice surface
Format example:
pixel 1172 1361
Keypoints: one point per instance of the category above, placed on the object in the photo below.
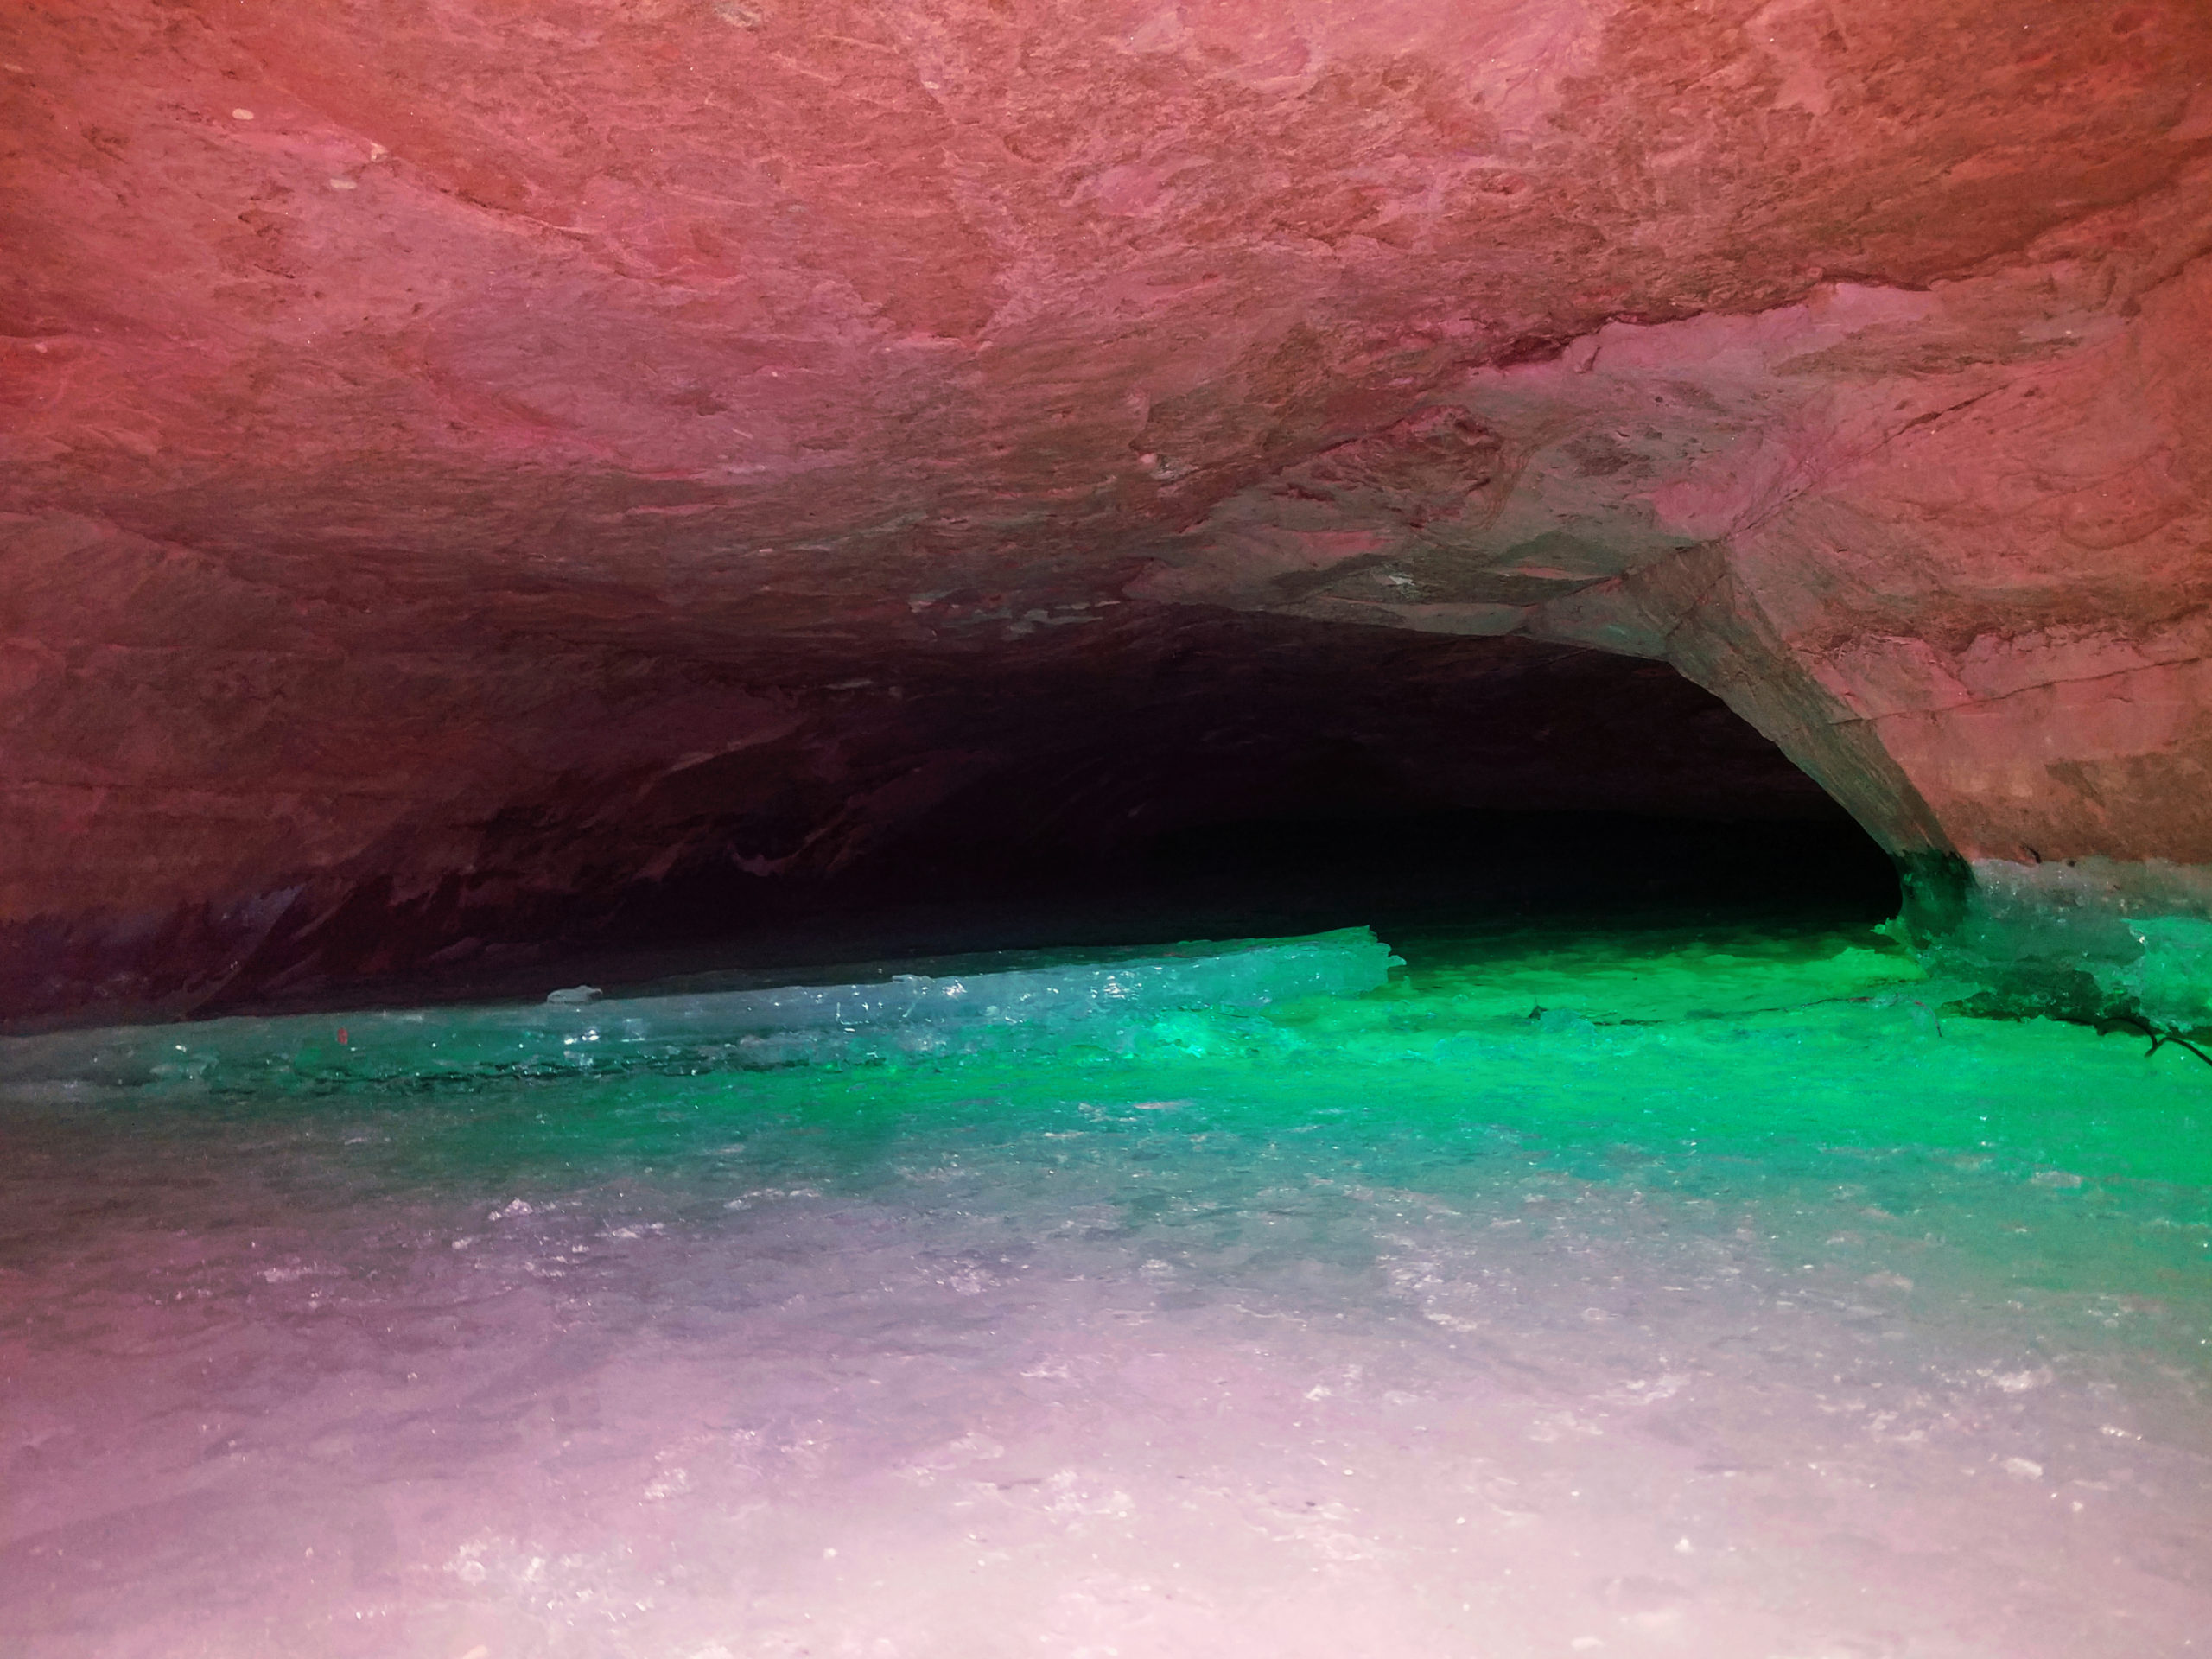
pixel 999 1008
pixel 1758 1307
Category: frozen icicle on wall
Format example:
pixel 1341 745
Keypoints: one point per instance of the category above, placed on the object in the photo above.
pixel 1097 1002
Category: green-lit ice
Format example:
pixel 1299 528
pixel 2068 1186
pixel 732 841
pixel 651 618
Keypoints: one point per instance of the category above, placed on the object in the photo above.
pixel 1719 1291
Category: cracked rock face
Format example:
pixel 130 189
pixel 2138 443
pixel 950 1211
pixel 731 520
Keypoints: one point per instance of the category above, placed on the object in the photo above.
pixel 469 449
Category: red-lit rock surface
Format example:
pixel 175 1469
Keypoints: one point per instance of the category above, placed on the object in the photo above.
pixel 527 449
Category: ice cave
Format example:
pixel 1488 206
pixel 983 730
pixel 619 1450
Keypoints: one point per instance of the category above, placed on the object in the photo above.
pixel 1142 829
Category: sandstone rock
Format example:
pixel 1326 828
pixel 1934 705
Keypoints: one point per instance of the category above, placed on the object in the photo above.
pixel 457 462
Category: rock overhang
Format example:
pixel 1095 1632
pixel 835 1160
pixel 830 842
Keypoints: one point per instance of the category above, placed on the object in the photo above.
pixel 409 408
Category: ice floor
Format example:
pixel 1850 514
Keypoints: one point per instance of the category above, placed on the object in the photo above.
pixel 1678 1293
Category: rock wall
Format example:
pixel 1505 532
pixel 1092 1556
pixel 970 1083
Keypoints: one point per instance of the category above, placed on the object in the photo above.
pixel 1950 548
pixel 438 437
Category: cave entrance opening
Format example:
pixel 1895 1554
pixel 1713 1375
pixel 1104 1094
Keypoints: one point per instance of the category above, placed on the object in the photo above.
pixel 1238 776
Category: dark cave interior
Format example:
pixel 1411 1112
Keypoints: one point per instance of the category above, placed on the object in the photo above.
pixel 1227 776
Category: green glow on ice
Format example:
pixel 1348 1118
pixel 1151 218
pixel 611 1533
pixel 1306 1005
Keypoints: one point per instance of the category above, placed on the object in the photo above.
pixel 1645 1055
pixel 1734 1233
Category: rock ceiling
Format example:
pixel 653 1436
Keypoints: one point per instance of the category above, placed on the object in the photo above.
pixel 442 426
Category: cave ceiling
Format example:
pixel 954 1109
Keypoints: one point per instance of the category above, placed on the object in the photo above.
pixel 421 416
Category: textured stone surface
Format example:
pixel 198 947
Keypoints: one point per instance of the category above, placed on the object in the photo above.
pixel 439 437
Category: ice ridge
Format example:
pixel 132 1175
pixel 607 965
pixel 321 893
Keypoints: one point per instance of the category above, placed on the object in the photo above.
pixel 904 1015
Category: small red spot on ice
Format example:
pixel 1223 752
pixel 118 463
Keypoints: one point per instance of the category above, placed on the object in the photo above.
pixel 342 1036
